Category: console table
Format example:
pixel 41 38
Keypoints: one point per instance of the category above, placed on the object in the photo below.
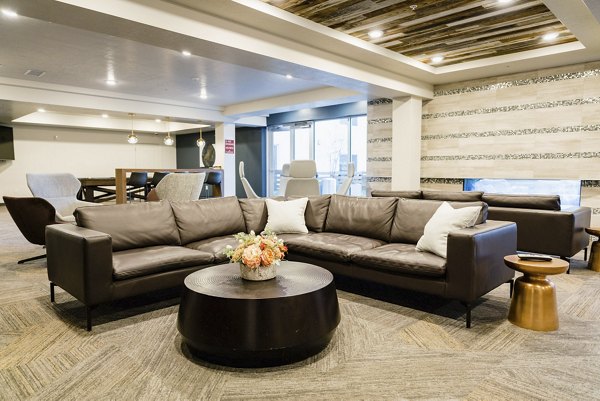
pixel 231 321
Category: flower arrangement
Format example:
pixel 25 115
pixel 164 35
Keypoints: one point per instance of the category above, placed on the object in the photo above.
pixel 256 251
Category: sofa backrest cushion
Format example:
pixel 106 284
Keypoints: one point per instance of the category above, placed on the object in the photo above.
pixel 197 220
pixel 366 217
pixel 316 212
pixel 255 214
pixel 413 214
pixel 398 194
pixel 457 196
pixel 542 202
pixel 132 225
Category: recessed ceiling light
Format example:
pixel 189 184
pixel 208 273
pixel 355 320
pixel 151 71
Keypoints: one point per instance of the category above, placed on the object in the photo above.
pixel 157 120
pixel 111 82
pixel 203 94
pixel 9 13
pixel 437 59
pixel 41 110
pixel 186 53
pixel 289 76
pixel 550 36
pixel 505 1
pixel 104 115
pixel 375 34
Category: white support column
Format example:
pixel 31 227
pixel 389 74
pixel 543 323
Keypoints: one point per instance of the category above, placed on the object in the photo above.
pixel 406 143
pixel 223 132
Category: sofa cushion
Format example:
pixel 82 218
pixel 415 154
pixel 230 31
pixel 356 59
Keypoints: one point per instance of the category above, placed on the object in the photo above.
pixel 330 246
pixel 542 202
pixel 206 218
pixel 398 194
pixel 365 217
pixel 316 212
pixel 286 216
pixel 255 214
pixel 444 220
pixel 156 259
pixel 458 196
pixel 134 225
pixel 401 258
pixel 412 215
pixel 215 246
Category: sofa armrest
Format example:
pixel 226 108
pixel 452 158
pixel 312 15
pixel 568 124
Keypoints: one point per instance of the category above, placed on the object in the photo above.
pixel 475 263
pixel 559 233
pixel 80 262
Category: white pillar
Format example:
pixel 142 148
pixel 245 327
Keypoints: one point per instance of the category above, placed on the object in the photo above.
pixel 225 132
pixel 406 143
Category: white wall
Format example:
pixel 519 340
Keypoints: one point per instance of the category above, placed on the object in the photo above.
pixel 84 153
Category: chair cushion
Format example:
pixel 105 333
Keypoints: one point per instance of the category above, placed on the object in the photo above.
pixel 156 259
pixel 330 246
pixel 543 202
pixel 366 217
pixel 413 214
pixel 134 225
pixel 255 214
pixel 401 258
pixel 206 218
pixel 215 246
pixel 458 196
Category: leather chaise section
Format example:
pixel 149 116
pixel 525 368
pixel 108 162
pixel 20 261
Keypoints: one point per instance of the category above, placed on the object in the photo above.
pixel 151 260
pixel 331 246
pixel 401 258
pixel 215 246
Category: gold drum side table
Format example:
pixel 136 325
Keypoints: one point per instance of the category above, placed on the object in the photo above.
pixel 533 305
pixel 594 261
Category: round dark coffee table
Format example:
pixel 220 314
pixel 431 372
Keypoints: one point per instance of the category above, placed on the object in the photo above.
pixel 230 321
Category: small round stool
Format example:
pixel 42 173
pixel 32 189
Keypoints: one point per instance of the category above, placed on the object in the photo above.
pixel 594 261
pixel 533 304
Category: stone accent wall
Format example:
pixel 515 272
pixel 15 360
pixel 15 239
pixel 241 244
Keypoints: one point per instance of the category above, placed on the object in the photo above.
pixel 541 124
pixel 379 144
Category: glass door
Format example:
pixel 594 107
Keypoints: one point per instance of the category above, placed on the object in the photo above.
pixel 331 152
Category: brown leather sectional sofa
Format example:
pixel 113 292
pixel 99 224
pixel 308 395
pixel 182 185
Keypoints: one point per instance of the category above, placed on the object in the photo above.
pixel 542 226
pixel 125 250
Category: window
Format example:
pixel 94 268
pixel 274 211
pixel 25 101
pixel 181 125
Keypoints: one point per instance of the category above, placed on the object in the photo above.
pixel 331 143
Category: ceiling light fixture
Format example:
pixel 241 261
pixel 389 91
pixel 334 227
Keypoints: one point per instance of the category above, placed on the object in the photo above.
pixel 289 76
pixel 132 138
pixel 550 36
pixel 505 1
pixel 9 13
pixel 413 7
pixel 200 140
pixel 157 120
pixel 437 59
pixel 111 82
pixel 375 34
pixel 186 53
pixel 104 115
pixel 168 140
pixel 41 110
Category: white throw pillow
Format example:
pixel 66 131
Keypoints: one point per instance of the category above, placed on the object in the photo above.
pixel 286 216
pixel 444 220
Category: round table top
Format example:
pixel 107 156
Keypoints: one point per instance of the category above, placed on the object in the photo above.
pixel 224 281
pixel 555 266
pixel 593 231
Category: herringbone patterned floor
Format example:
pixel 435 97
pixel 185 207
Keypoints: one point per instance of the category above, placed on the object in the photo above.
pixel 403 345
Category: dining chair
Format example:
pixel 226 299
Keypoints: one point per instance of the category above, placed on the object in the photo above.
pixel 31 215
pixel 180 187
pixel 345 186
pixel 246 184
pixel 303 179
pixel 136 185
pixel 213 180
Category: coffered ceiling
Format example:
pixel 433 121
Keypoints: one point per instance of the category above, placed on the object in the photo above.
pixel 458 30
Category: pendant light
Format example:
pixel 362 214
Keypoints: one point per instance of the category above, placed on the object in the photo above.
pixel 200 140
pixel 169 141
pixel 132 138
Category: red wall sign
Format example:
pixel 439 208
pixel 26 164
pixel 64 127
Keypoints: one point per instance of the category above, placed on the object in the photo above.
pixel 230 146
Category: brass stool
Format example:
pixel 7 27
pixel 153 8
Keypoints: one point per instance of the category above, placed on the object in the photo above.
pixel 594 261
pixel 533 304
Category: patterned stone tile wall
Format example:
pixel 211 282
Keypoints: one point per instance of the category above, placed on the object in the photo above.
pixel 379 144
pixel 541 124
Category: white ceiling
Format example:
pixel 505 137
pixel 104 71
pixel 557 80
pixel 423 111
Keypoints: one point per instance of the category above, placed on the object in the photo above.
pixel 241 53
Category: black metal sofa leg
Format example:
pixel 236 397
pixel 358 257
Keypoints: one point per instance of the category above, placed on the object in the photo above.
pixel 88 317
pixel 469 306
pixel 568 260
pixel 52 292
pixel 512 287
